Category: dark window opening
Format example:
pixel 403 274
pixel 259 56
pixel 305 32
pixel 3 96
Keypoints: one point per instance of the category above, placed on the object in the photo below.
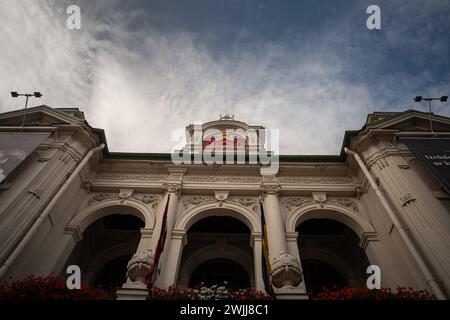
pixel 219 225
pixel 219 270
pixel 319 274
pixel 122 222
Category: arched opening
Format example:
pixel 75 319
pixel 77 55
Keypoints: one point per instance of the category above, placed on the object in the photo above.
pixel 216 271
pixel 217 250
pixel 330 255
pixel 106 248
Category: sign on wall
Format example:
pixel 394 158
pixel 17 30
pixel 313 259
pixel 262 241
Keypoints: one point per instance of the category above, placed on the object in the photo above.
pixel 15 147
pixel 435 153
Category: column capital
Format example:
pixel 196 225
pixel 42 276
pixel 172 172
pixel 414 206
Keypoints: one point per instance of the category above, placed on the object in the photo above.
pixel 273 188
pixel 171 187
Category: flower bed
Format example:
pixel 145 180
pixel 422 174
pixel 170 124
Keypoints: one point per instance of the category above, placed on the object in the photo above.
pixel 401 293
pixel 214 292
pixel 49 288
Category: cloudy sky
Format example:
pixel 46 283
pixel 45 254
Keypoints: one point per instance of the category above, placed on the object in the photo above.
pixel 141 69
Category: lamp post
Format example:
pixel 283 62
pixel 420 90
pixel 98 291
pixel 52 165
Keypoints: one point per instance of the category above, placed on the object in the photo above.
pixel 441 99
pixel 15 94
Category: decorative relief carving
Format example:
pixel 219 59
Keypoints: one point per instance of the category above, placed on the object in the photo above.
pixel 196 200
pixel 231 179
pixel 315 180
pixel 251 203
pixel 407 198
pixel 345 202
pixel 221 196
pixel 150 199
pixel 139 265
pixel 286 271
pixel 291 203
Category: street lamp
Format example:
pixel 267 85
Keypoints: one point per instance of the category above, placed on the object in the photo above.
pixel 420 98
pixel 35 94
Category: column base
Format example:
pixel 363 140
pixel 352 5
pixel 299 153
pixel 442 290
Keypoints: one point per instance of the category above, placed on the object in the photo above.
pixel 132 291
pixel 290 293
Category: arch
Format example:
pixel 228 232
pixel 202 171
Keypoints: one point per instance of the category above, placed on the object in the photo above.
pixel 104 208
pixel 329 211
pixel 333 260
pixel 106 256
pixel 234 210
pixel 209 253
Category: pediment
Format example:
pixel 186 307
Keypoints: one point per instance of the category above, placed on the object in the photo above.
pixel 41 116
pixel 408 121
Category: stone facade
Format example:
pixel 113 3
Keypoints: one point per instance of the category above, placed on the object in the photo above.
pixel 65 185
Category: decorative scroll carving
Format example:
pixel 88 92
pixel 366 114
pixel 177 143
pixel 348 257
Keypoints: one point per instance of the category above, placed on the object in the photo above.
pixel 152 200
pixel 286 271
pixel 124 194
pixel 315 180
pixel 105 196
pixel 345 202
pixel 196 200
pixel 291 203
pixel 249 202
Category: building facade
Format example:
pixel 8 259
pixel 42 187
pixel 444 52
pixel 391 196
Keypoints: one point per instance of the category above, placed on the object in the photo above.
pixel 65 199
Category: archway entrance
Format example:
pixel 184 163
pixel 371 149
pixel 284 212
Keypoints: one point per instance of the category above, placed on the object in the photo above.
pixel 217 250
pixel 330 255
pixel 106 248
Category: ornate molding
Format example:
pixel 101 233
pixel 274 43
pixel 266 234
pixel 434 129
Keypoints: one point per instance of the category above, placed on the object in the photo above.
pixel 130 176
pixel 225 179
pixel 293 203
pixel 315 180
pixel 286 271
pixel 152 200
pixel 172 187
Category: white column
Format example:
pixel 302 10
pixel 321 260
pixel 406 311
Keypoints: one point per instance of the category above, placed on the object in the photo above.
pixel 257 258
pixel 276 234
pixel 169 271
pixel 286 270
pixel 172 246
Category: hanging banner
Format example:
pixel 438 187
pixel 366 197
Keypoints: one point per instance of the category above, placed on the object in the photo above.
pixel 16 147
pixel 435 153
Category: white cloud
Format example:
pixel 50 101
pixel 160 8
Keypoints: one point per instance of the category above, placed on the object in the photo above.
pixel 139 85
